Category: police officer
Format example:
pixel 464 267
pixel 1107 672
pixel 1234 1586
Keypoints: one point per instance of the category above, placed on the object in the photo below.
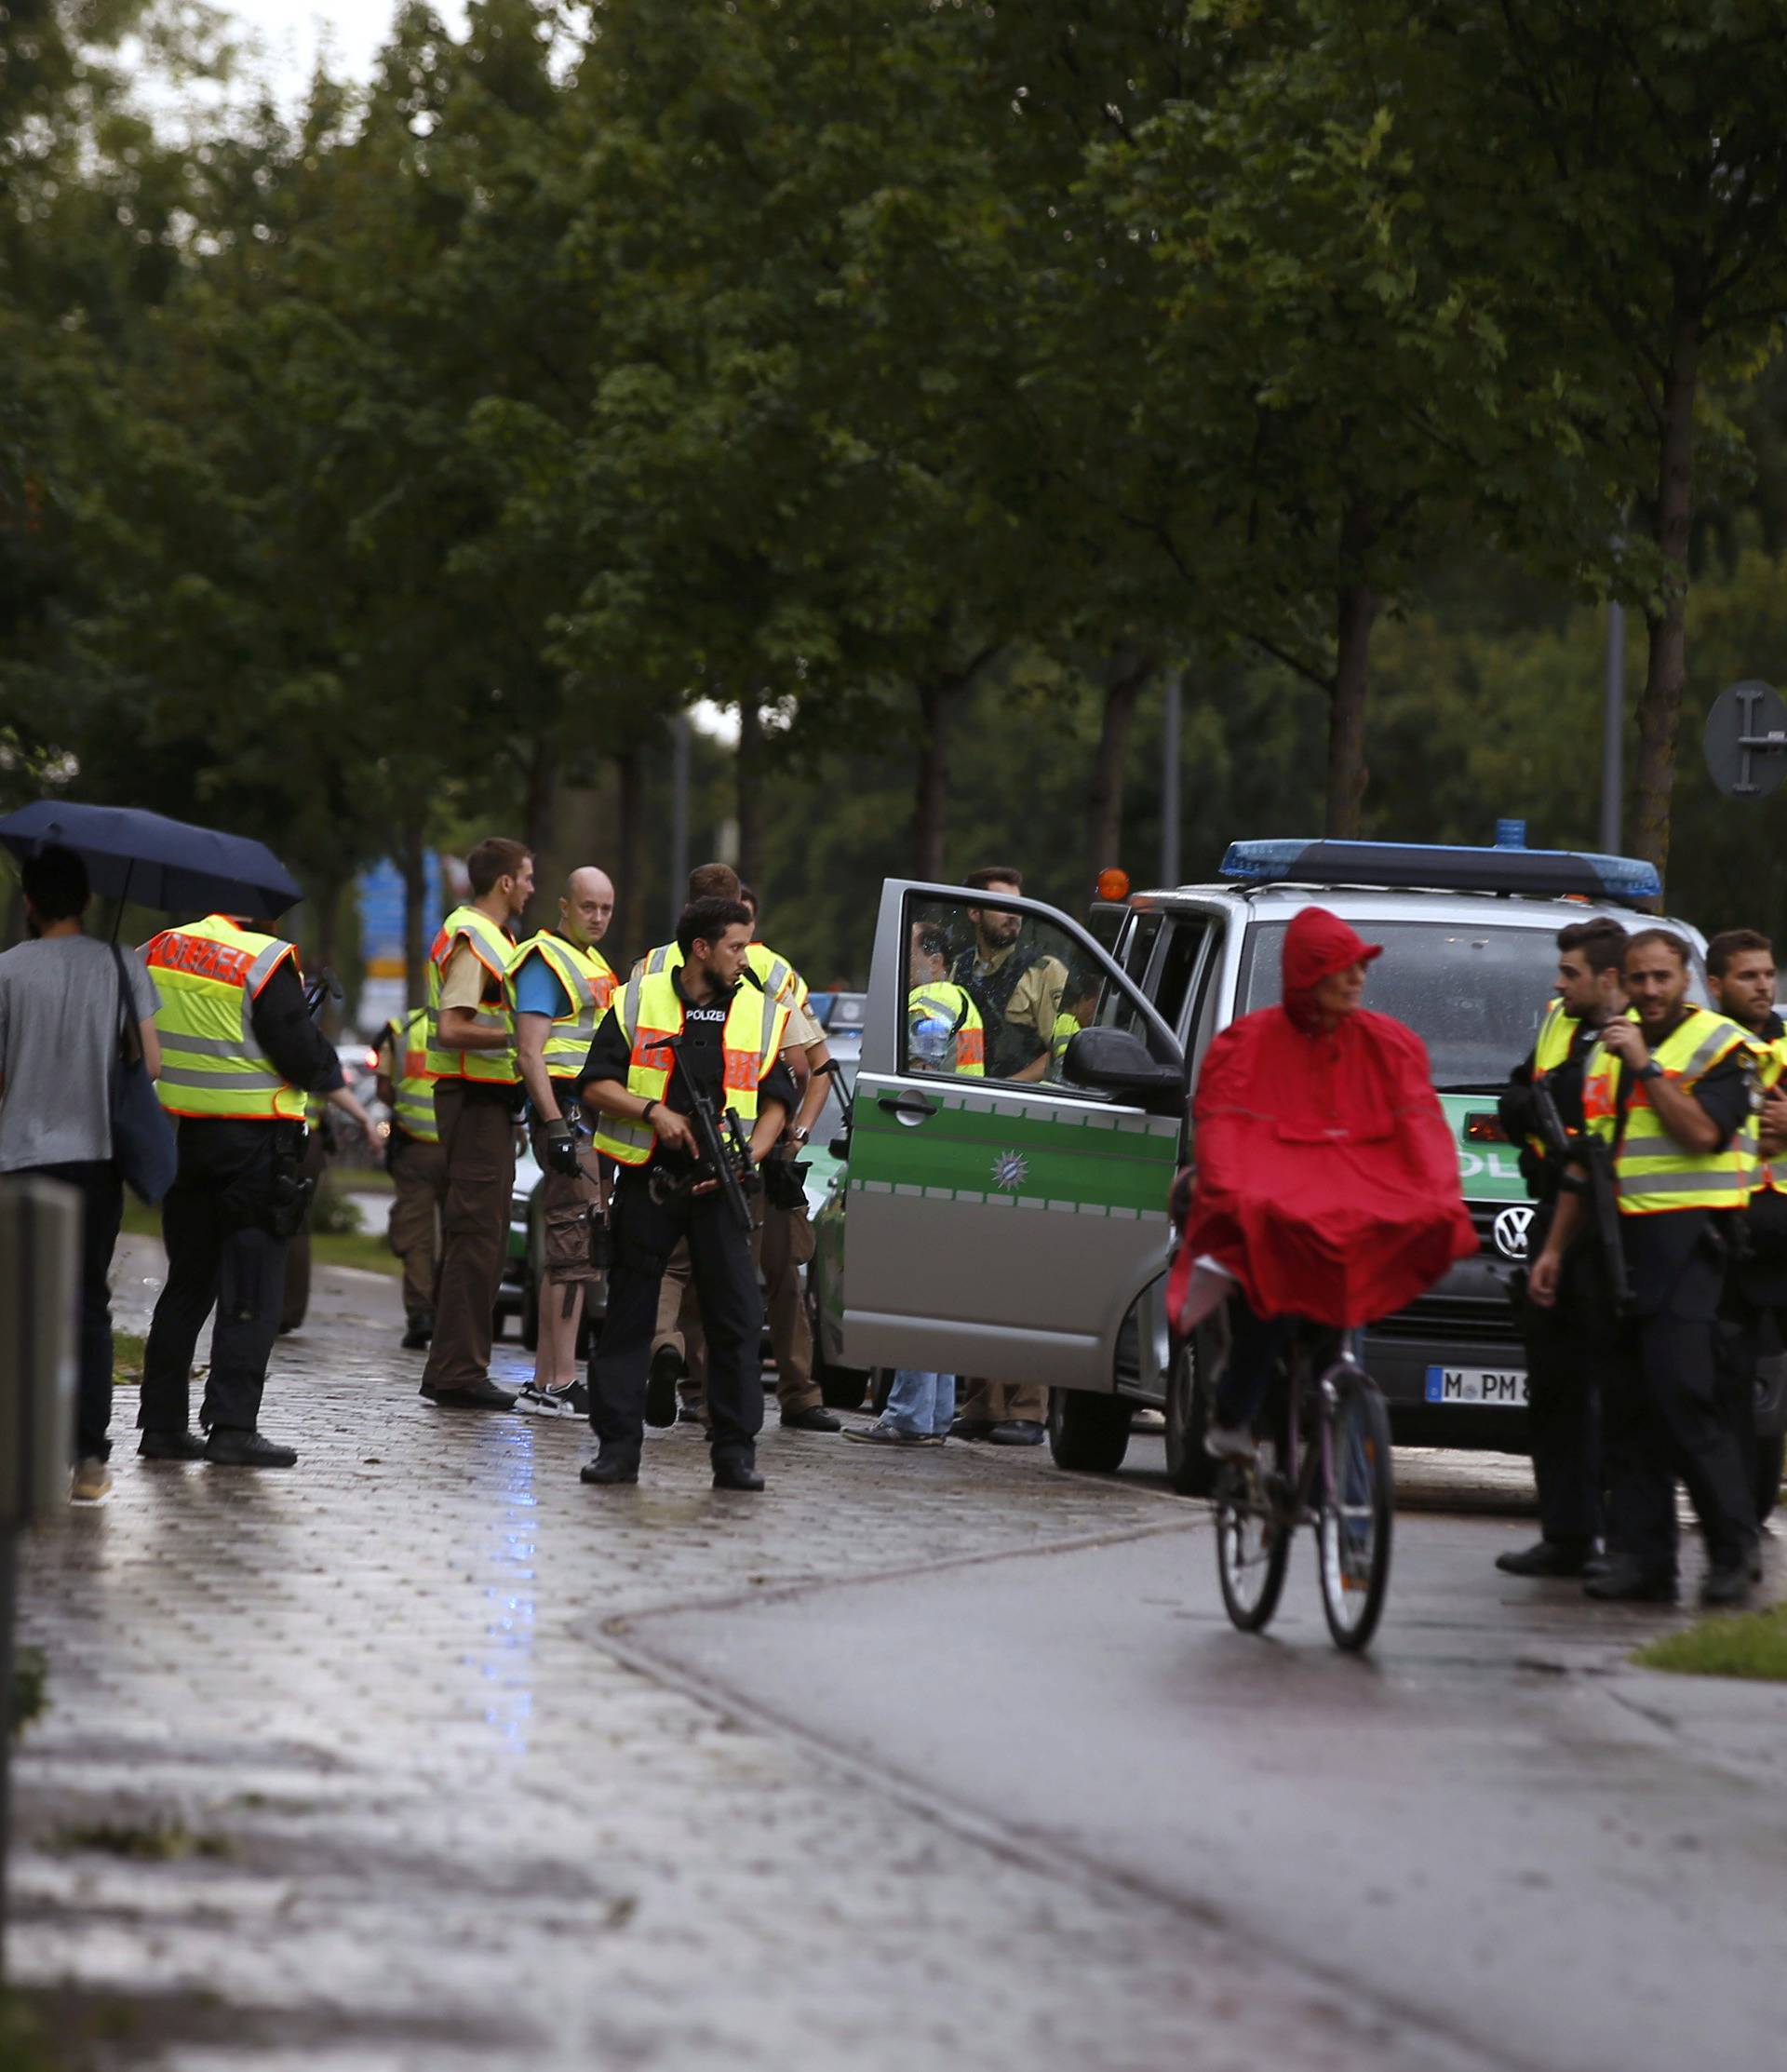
pixel 417 1168
pixel 238 1051
pixel 944 1029
pixel 560 986
pixel 1017 989
pixel 477 1097
pixel 727 1032
pixel 1018 993
pixel 1741 975
pixel 1566 1341
pixel 785 1239
pixel 1669 1095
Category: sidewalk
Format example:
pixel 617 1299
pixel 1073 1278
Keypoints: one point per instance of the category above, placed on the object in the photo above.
pixel 415 1813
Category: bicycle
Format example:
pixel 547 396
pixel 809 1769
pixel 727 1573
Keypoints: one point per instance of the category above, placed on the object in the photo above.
pixel 1339 1480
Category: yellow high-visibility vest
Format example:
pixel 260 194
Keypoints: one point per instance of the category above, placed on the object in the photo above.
pixel 941 1000
pixel 774 974
pixel 1652 1173
pixel 413 1107
pixel 650 1010
pixel 210 974
pixel 589 985
pixel 492 948
pixel 1770 1175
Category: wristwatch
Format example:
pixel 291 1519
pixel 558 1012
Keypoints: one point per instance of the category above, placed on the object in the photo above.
pixel 1650 1068
pixel 798 1135
pixel 645 1113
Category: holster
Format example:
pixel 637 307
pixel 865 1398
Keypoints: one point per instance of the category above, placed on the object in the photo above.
pixel 784 1183
pixel 290 1188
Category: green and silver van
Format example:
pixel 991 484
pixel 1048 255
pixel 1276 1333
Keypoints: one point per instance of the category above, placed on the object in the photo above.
pixel 1016 1228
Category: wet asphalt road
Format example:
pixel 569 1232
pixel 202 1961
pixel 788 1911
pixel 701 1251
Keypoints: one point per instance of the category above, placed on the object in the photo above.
pixel 1494 1827
pixel 943 1759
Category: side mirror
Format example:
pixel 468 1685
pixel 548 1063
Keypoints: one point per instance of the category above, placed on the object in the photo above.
pixel 839 1146
pixel 1117 1061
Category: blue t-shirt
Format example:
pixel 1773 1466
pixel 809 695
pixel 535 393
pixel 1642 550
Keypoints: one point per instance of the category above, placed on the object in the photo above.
pixel 538 992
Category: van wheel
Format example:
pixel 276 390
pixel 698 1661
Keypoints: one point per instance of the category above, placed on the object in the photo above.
pixel 1089 1434
pixel 1188 1468
pixel 1772 1457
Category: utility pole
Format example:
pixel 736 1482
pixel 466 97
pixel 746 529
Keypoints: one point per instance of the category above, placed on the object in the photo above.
pixel 679 817
pixel 1613 726
pixel 1172 733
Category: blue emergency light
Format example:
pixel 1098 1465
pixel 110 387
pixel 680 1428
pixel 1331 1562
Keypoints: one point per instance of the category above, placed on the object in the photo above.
pixel 1440 867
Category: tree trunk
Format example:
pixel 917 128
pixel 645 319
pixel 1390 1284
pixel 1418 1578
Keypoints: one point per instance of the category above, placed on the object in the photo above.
pixel 542 784
pixel 1126 673
pixel 749 774
pixel 629 891
pixel 1356 612
pixel 935 702
pixel 328 914
pixel 1660 707
pixel 415 918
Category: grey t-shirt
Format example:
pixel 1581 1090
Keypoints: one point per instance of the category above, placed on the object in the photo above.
pixel 58 1021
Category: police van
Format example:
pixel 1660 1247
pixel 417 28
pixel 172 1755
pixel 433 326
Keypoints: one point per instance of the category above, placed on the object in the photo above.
pixel 1015 1228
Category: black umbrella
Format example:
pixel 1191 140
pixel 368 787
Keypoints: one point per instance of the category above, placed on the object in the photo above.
pixel 158 862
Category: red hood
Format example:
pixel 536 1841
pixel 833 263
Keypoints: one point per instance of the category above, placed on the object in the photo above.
pixel 1317 944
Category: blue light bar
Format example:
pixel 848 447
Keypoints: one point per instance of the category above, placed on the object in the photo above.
pixel 1439 867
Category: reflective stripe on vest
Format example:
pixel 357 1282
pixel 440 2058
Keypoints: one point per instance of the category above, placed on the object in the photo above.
pixel 588 986
pixel 414 1106
pixel 492 948
pixel 774 974
pixel 209 975
pixel 1556 1035
pixel 650 1010
pixel 939 999
pixel 1652 1174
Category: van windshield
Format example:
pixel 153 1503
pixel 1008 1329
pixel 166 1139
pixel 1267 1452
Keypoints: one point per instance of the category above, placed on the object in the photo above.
pixel 1474 996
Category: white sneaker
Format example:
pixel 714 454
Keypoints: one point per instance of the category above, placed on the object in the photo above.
pixel 572 1401
pixel 1228 1441
pixel 91 1483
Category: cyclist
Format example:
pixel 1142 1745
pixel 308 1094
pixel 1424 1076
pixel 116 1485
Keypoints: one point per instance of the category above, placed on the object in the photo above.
pixel 1324 1186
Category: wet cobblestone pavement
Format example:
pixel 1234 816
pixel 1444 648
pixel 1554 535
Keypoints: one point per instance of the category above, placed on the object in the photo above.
pixel 403 1803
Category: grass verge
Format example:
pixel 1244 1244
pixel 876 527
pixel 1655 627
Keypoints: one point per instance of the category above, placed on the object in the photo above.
pixel 1751 1644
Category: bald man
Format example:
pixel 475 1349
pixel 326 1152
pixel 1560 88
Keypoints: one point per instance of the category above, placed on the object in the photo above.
pixel 559 987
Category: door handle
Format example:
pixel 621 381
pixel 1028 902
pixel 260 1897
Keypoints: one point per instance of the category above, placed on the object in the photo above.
pixel 909 1108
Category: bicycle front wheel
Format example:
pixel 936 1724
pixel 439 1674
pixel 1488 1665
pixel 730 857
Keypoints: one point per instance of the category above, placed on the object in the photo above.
pixel 1357 1504
pixel 1253 1548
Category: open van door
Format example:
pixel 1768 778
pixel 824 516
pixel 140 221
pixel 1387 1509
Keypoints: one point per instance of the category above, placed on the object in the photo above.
pixel 1001 1223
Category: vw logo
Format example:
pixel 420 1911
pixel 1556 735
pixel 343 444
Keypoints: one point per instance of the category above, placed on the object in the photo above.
pixel 1511 1227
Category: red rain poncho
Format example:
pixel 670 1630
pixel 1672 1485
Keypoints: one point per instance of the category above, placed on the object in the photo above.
pixel 1326 1177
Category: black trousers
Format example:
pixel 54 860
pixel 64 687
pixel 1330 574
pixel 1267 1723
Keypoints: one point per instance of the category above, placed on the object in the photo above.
pixel 1570 1360
pixel 221 1255
pixel 732 1311
pixel 1669 1417
pixel 101 1192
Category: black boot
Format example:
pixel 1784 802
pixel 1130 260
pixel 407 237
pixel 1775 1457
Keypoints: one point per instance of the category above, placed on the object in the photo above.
pixel 231 1447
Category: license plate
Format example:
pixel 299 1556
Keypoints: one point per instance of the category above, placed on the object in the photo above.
pixel 1500 1387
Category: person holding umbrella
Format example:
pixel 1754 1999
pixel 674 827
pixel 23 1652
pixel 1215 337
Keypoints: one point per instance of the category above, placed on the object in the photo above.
pixel 60 1014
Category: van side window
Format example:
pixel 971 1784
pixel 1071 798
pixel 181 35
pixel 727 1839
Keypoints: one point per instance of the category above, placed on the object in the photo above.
pixel 1185 935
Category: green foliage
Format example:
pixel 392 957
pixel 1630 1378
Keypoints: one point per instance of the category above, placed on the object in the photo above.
pixel 909 382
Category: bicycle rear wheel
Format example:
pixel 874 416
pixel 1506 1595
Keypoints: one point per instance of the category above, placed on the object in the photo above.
pixel 1357 1506
pixel 1252 1546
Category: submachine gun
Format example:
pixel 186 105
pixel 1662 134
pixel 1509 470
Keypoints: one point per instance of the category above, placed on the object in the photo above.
pixel 725 1151
pixel 1589 1152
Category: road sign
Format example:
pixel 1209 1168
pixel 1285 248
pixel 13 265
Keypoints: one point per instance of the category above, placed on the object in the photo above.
pixel 1746 740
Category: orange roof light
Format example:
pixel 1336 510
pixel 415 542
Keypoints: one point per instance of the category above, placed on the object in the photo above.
pixel 1113 884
